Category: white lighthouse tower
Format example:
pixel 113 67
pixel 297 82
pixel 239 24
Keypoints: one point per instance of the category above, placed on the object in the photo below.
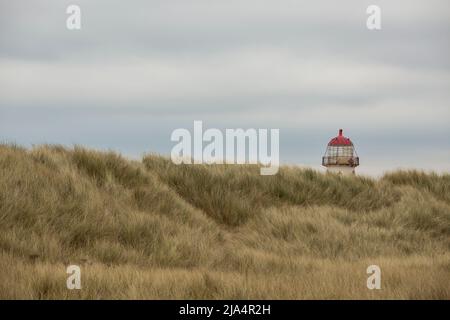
pixel 340 156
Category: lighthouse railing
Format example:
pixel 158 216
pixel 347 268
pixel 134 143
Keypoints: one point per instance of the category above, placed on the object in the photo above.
pixel 340 160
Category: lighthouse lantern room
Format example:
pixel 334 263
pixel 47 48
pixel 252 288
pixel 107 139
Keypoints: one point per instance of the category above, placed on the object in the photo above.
pixel 340 156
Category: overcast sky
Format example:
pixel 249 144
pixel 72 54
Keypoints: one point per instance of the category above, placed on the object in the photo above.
pixel 137 70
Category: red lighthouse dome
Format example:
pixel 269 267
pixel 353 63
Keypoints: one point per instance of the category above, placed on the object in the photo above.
pixel 340 155
pixel 340 140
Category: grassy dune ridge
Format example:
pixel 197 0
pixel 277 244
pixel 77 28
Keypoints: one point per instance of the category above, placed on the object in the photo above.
pixel 152 229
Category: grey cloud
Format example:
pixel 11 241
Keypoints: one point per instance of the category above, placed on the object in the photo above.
pixel 139 69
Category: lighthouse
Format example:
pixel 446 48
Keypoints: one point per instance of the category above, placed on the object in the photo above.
pixel 340 156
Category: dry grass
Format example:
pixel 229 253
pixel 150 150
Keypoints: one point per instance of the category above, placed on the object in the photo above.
pixel 154 230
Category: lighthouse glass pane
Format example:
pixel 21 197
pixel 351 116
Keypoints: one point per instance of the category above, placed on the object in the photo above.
pixel 340 151
pixel 347 151
pixel 332 151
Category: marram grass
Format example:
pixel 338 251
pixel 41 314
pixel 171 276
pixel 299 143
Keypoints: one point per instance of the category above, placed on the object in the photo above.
pixel 154 230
